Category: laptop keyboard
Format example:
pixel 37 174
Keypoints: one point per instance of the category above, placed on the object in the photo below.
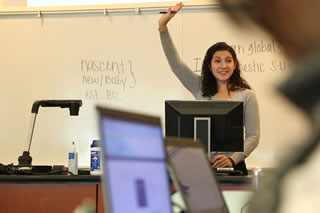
pixel 227 172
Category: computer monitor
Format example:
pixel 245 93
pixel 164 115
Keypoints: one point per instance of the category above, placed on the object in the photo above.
pixel 217 124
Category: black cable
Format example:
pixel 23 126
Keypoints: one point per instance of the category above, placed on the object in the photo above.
pixel 12 170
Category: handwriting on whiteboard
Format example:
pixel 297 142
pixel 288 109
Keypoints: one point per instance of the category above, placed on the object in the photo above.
pixel 105 79
pixel 255 57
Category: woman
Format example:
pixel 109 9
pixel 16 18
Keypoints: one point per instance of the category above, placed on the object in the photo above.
pixel 220 80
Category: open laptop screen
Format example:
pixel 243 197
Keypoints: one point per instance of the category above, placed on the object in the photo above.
pixel 197 181
pixel 135 173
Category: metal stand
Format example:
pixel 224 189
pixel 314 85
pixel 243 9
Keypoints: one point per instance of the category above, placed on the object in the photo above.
pixel 25 159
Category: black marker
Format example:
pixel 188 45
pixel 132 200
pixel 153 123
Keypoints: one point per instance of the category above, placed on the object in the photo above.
pixel 165 12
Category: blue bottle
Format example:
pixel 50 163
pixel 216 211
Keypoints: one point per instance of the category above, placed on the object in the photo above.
pixel 95 162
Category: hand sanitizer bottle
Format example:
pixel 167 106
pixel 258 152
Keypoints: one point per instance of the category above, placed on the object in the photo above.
pixel 73 160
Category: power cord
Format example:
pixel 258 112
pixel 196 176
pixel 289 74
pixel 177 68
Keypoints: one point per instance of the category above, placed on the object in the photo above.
pixel 10 169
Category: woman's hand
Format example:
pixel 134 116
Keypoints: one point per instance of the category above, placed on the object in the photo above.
pixel 221 161
pixel 165 18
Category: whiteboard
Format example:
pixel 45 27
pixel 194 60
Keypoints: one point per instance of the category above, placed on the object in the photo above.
pixel 117 61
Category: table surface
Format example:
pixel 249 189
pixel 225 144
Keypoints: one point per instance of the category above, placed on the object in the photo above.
pixel 91 179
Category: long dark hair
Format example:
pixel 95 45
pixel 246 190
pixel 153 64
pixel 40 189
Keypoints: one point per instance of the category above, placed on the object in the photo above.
pixel 209 85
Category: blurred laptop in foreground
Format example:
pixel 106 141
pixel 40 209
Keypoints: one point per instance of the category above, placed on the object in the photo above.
pixel 134 162
pixel 194 177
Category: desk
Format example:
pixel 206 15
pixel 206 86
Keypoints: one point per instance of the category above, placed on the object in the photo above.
pixel 235 183
pixel 59 193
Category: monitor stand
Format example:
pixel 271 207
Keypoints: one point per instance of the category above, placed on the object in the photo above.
pixel 202 126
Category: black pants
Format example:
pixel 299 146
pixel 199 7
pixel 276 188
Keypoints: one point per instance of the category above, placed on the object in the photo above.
pixel 242 167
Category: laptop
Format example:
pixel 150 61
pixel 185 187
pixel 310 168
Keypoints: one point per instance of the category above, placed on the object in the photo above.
pixel 194 177
pixel 135 177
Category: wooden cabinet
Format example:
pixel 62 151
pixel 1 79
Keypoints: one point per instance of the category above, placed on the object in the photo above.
pixel 63 194
pixel 100 205
pixel 45 197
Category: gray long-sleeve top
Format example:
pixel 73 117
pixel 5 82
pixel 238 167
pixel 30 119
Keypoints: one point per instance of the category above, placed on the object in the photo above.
pixel 192 82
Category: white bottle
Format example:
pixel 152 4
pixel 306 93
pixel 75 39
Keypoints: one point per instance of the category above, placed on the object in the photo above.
pixel 95 160
pixel 73 160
